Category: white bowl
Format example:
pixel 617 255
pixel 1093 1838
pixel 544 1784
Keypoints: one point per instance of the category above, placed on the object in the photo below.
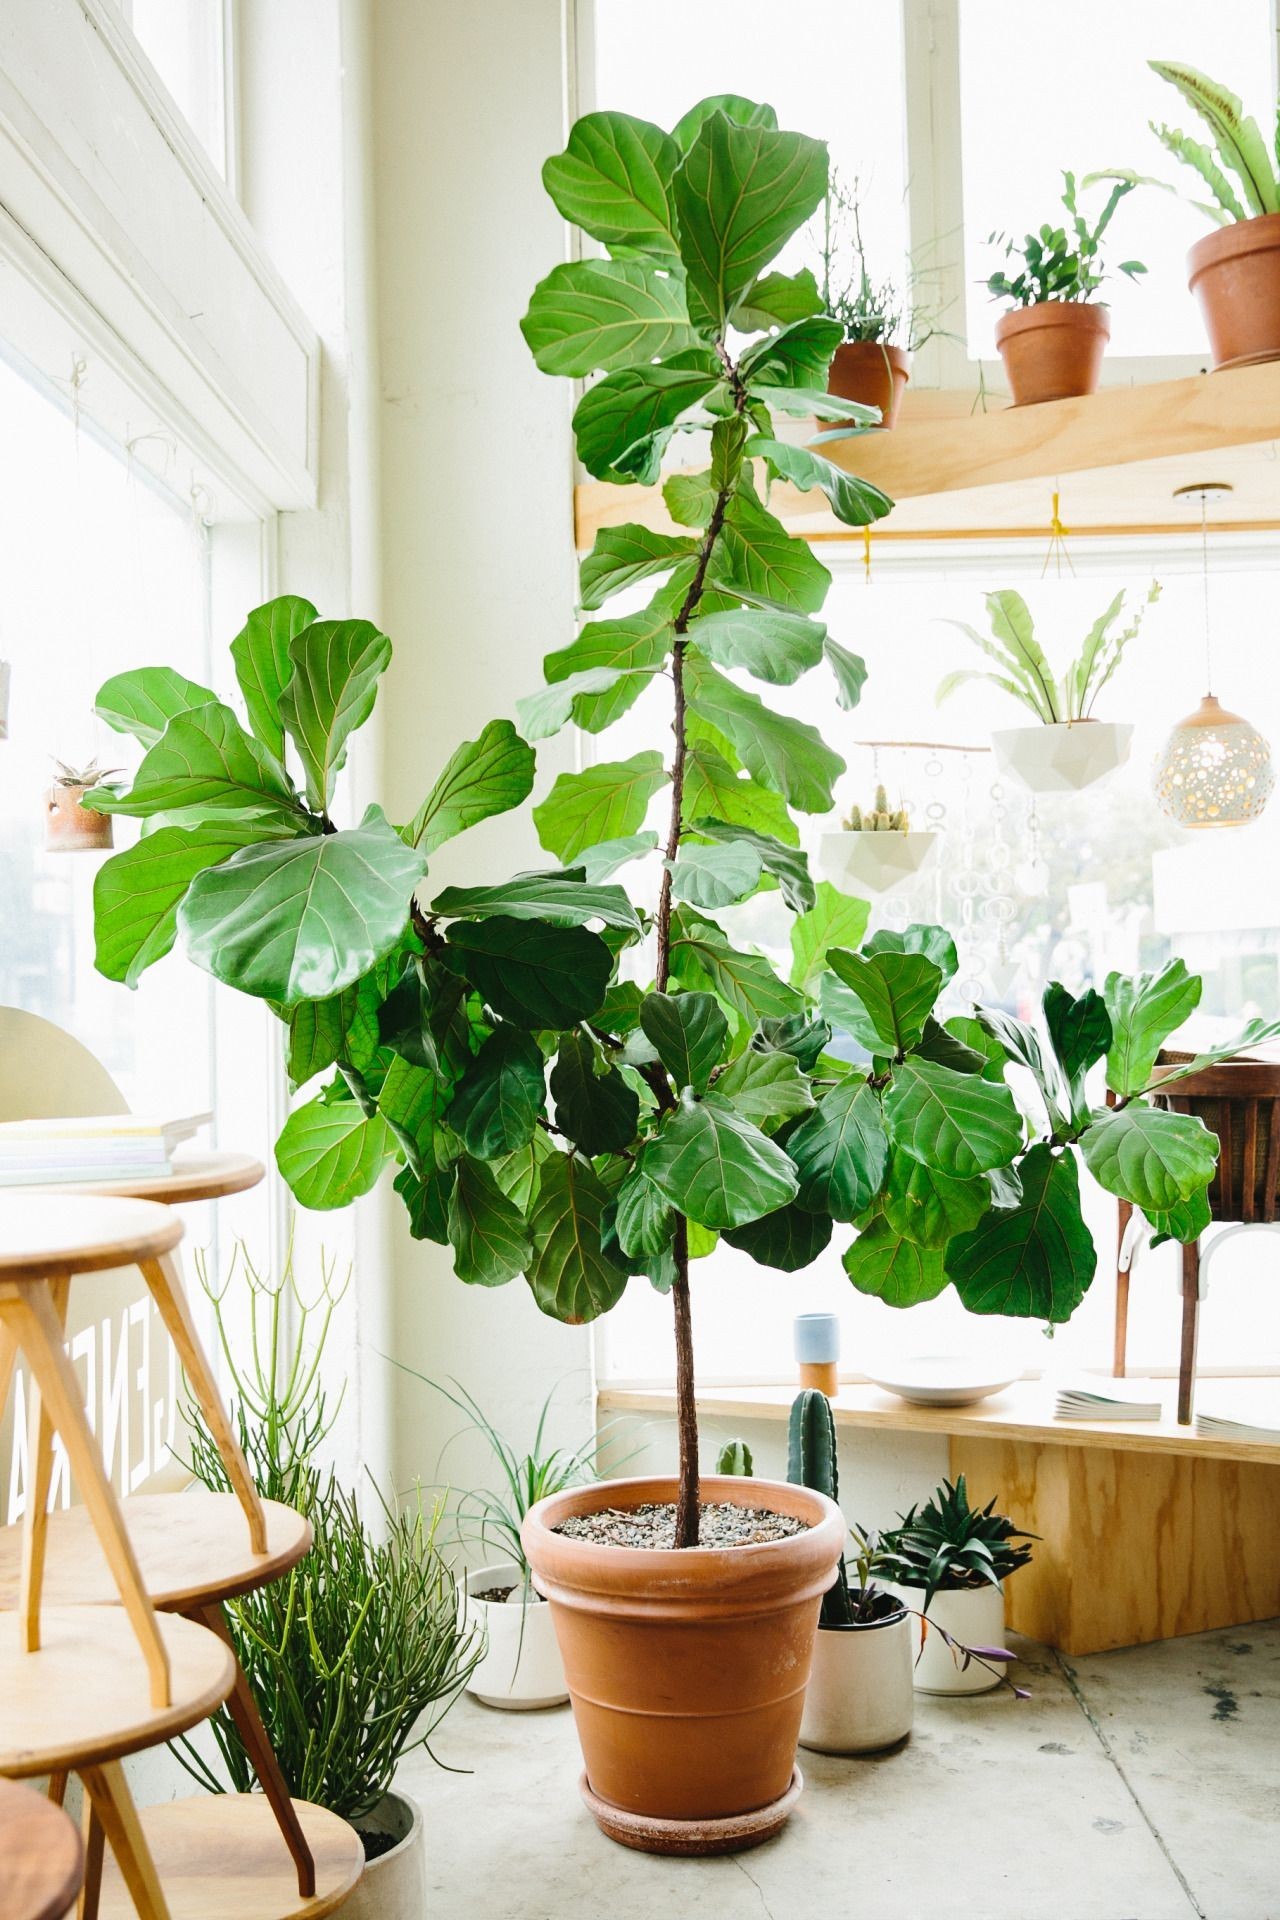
pixel 944 1380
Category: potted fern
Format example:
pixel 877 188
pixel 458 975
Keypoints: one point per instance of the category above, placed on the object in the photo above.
pixel 1068 749
pixel 1234 271
pixel 883 325
pixel 876 848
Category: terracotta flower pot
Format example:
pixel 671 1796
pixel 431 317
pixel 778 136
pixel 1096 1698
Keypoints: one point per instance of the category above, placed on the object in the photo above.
pixel 1053 351
pixel 687 1669
pixel 71 828
pixel 872 374
pixel 1234 272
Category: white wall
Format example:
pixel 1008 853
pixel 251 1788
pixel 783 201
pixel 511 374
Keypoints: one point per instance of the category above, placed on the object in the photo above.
pixel 477 562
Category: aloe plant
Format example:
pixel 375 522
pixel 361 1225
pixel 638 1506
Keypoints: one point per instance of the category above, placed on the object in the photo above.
pixel 947 1544
pixel 1024 671
pixel 1238 147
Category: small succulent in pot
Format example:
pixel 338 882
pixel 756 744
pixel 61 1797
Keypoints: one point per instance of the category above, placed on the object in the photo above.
pixel 880 817
pixel 71 827
pixel 948 1546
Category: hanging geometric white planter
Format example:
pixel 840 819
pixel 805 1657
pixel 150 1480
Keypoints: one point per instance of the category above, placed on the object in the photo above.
pixel 1064 758
pixel 877 861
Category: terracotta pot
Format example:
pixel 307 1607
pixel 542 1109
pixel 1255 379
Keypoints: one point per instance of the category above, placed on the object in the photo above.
pixel 71 828
pixel 872 374
pixel 1234 272
pixel 687 1669
pixel 1053 351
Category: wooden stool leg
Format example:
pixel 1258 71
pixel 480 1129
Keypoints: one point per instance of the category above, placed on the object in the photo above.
pixel 35 1527
pixel 1124 1215
pixel 113 1804
pixel 40 1337
pixel 92 1835
pixel 57 1788
pixel 244 1711
pixel 8 1361
pixel 1190 1329
pixel 165 1282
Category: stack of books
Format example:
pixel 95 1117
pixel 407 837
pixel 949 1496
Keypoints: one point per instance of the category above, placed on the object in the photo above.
pixel 1255 1414
pixel 98 1148
pixel 1118 1400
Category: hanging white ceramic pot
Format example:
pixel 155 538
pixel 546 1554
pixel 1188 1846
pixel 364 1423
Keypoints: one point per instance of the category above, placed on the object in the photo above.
pixel 972 1615
pixel 521 1666
pixel 860 1694
pixel 1065 758
pixel 875 861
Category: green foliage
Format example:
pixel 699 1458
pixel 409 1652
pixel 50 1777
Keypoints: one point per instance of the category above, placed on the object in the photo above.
pixel 866 308
pixel 1239 147
pixel 735 1458
pixel 812 1463
pixel 1025 673
pixel 1061 263
pixel 947 1545
pixel 880 817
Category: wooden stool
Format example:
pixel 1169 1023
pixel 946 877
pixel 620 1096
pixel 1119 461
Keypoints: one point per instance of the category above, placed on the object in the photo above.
pixel 218 1856
pixel 41 1859
pixel 193 1555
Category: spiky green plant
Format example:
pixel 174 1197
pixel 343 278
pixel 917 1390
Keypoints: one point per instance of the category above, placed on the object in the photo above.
pixel 1025 672
pixel 812 1463
pixel 878 818
pixel 947 1544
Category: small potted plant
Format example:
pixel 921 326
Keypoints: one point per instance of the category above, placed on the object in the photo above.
pixel 1053 337
pixel 948 1561
pixel 883 326
pixel 876 847
pixel 1234 271
pixel 1068 749
pixel 70 826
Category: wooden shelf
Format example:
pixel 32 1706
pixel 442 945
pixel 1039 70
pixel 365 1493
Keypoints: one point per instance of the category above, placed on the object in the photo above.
pixel 1022 1412
pixel 1115 457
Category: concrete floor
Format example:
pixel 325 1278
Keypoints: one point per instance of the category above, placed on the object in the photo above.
pixel 1140 1785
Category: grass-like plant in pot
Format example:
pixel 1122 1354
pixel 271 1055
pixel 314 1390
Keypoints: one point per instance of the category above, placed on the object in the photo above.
pixel 884 324
pixel 1055 331
pixel 950 1561
pixel 1234 272
pixel 1068 748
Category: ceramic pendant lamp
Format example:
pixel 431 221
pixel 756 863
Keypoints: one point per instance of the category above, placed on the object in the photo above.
pixel 1215 769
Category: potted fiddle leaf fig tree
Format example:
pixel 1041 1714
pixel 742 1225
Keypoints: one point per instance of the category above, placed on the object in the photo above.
pixel 583 1093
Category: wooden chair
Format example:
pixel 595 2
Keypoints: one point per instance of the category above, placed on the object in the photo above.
pixel 1239 1101
pixel 41 1859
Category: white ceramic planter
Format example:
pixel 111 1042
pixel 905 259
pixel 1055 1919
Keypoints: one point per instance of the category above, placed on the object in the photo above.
pixel 860 1695
pixel 973 1615
pixel 394 1886
pixel 1065 758
pixel 521 1667
pixel 877 861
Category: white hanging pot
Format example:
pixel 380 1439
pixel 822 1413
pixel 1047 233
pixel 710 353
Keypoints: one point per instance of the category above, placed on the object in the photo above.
pixel 877 861
pixel 393 1885
pixel 1065 758
pixel 521 1666
pixel 860 1695
pixel 972 1615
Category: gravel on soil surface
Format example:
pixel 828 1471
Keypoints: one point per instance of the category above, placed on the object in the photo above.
pixel 654 1525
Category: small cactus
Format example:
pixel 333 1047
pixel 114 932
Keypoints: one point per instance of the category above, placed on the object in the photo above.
pixel 735 1458
pixel 811 1462
pixel 879 818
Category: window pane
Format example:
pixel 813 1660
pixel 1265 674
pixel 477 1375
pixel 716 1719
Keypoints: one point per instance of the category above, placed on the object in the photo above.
pixel 183 41
pixel 1070 88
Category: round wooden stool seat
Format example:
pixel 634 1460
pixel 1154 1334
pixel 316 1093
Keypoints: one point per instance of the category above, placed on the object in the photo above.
pixel 41 1860
pixel 43 1233
pixel 192 1549
pixel 85 1697
pixel 195 1176
pixel 219 1856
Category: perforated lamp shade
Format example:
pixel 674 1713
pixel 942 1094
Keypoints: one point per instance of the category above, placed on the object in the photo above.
pixel 1214 770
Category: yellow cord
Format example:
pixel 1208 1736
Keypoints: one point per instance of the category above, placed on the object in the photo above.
pixel 1057 550
pixel 866 555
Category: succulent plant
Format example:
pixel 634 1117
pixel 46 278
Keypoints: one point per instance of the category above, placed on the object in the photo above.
pixel 735 1458
pixel 811 1462
pixel 91 776
pixel 947 1544
pixel 879 818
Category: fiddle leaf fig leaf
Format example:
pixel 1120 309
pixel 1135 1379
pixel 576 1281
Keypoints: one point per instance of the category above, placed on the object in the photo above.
pixel 624 555
pixel 485 776
pixel 714 790
pixel 835 920
pixel 1080 1030
pixel 1152 1158
pixel 777 300
pixel 205 760
pixel 850 671
pixel 766 1088
pixel 596 1109
pixel 948 1049
pixel 578 698
pixel 841 1150
pixel 799 356
pixel 136 894
pixel 144 701
pixel 595 315
pixel 901 1272
pixel 930 1207
pixel 1255 1033
pixel 700 953
pixel 1035 1260
pixel 1186 1221
pixel 264 666
pixel 490 1241
pixel 758 560
pixel 541 896
pixel 603 860
pixel 715 876
pixel 496 1104
pixel 689 1032
pixel 644 1222
pixel 601 803
pixel 330 1152
pixel 1021 1044
pixel 768 643
pixel 293 920
pixel 1145 1009
pixel 336 668
pixel 788 865
pixel 733 106
pixel 715 1167
pixel 780 752
pixel 426 1200
pixel 572 1276
pixel 739 195
pixel 788 1239
pixel 935 943
pixel 629 645
pixel 855 502
pixel 530 973
pixel 613 180
pixel 413 1101
pixel 957 1122
pixel 624 422
pixel 898 991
